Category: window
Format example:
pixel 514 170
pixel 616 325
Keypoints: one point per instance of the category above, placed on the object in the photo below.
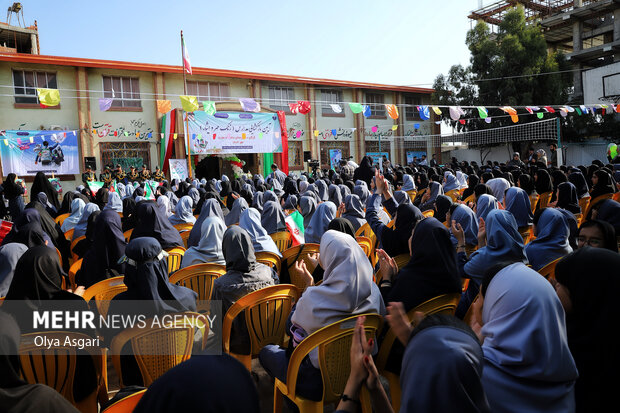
pixel 295 155
pixel 208 90
pixel 373 146
pixel 410 103
pixel 280 97
pixel 26 83
pixel 328 97
pixel 124 90
pixel 377 104
pixel 126 154
pixel 327 145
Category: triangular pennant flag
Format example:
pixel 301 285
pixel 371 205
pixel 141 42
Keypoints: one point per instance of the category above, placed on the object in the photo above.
pixel 424 112
pixel 456 112
pixel 356 107
pixel 336 108
pixel 394 127
pixel 487 120
pixel 294 108
pixel 392 111
pixel 540 115
pixel 189 103
pixel 49 97
pixel 569 109
pixel 303 107
pixel 436 110
pixel 549 109
pixel 512 112
pixel 316 133
pixel 164 106
pixel 249 105
pixel 578 111
pixel 209 106
pixel 334 132
pixel 584 109
pixel 105 104
pixel 563 112
pixel 483 112
pixel 367 111
pixel 462 121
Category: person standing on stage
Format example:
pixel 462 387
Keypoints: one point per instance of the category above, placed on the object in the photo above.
pixel 106 176
pixel 119 174
pixel 133 175
pixel 158 175
pixel 88 176
pixel 145 174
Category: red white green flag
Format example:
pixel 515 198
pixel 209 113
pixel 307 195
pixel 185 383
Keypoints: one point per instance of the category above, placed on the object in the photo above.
pixel 187 65
pixel 295 225
pixel 94 186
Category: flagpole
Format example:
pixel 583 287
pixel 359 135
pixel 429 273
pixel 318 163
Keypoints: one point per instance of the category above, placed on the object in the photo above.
pixel 189 162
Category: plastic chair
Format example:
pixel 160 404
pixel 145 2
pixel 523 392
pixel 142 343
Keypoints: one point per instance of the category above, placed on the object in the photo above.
pixel 184 236
pixel 596 201
pixel 366 231
pixel 548 271
pixel 269 258
pixel 157 350
pixel 75 267
pixel 544 199
pixel 282 239
pixel 428 213
pixel 534 201
pixel 469 199
pixel 103 292
pixel 127 234
pixel 55 366
pixel 366 245
pixel 616 197
pixel 184 227
pixel 199 278
pixel 73 244
pixel 526 233
pixel 266 311
pixel 333 343
pixel 126 404
pixel 579 218
pixel 296 253
pixel 442 304
pixel 402 260
pixel 584 203
pixel 391 223
pixel 61 218
pixel 412 194
pixel 454 194
pixel 175 255
pixel 69 234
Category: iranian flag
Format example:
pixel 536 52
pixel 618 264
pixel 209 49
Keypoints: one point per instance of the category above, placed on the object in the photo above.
pixel 149 189
pixel 94 186
pixel 295 225
pixel 167 127
pixel 112 187
pixel 187 65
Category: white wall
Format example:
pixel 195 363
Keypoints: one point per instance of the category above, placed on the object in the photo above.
pixel 593 83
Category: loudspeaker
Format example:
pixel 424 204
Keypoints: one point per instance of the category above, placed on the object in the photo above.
pixel 90 161
pixel 307 156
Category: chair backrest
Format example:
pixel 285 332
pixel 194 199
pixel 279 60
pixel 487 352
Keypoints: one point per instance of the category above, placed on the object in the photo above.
pixel 579 218
pixel 126 404
pixel 104 291
pixel 184 227
pixel 596 201
pixel 269 258
pixel 199 278
pixel 391 223
pixel 73 244
pixel 75 267
pixel 55 365
pixel 334 348
pixel 69 234
pixel 366 245
pixel 584 203
pixel 412 194
pixel 61 218
pixel 616 196
pixel 534 201
pixel 175 255
pixel 266 311
pixel 544 199
pixel 526 233
pixel 296 253
pixel 127 234
pixel 548 271
pixel 469 199
pixel 282 239
pixel 454 194
pixel 157 350
pixel 366 231
pixel 442 304
pixel 428 213
pixel 185 236
pixel 402 260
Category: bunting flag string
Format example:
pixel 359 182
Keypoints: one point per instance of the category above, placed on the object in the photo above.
pixel 105 104
pixel 164 106
pixel 189 103
pixel 356 107
pixel 424 112
pixel 49 97
pixel 249 105
pixel 392 111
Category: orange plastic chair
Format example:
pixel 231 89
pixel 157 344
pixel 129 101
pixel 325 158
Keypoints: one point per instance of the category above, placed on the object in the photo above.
pixel 333 343
pixel 454 194
pixel 270 259
pixel 157 350
pixel 366 245
pixel 104 291
pixel 534 201
pixel 55 367
pixel 544 199
pixel 184 227
pixel 469 199
pixel 579 218
pixel 391 223
pixel 548 271
pixel 266 311
pixel 402 260
pixel 175 255
pixel 596 201
pixel 526 233
pixel 412 194
pixel 296 253
pixel 61 218
pixel 127 234
pixel 69 234
pixel 199 278
pixel 184 236
pixel 616 197
pixel 428 213
pixel 75 267
pixel 73 244
pixel 126 404
pixel 584 203
pixel 443 304
pixel 366 231
pixel 283 240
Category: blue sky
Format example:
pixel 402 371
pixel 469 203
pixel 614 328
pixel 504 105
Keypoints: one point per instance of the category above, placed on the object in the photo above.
pixel 404 42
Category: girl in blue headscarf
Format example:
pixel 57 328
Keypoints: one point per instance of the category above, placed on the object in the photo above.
pixel 114 202
pixel 486 203
pixel 518 203
pixel 80 227
pixel 320 221
pixel 551 241
pixel 183 212
pixel 450 182
pixel 77 208
pixel 464 216
pixel 408 184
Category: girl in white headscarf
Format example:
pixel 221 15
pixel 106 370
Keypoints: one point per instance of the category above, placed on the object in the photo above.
pixel 210 247
pixel 77 208
pixel 183 212
pixel 163 202
pixel 461 179
pixel 528 365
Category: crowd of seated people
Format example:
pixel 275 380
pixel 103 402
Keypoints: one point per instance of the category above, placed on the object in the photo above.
pixel 527 253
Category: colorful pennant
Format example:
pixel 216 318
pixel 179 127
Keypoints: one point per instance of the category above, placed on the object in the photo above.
pixel 424 112
pixel 356 107
pixel 105 104
pixel 49 97
pixel 249 105
pixel 392 111
pixel 189 103
pixel 164 106
pixel 209 107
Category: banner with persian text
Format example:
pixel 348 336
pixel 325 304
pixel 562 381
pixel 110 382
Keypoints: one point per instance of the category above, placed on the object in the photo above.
pixel 232 132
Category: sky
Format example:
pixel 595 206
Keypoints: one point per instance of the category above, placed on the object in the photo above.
pixel 405 42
